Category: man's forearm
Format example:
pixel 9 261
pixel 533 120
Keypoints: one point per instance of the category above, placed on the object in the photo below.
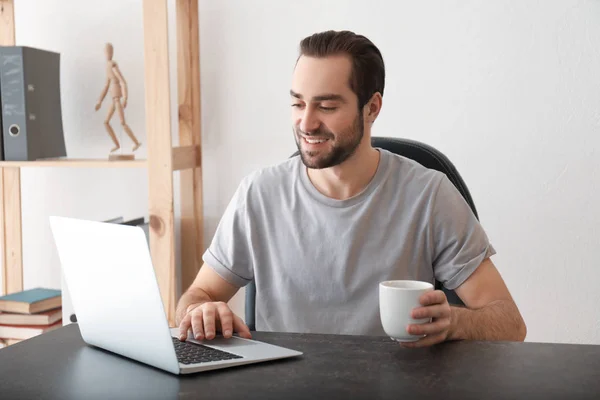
pixel 499 320
pixel 191 296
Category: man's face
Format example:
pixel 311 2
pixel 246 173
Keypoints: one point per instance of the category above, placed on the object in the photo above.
pixel 327 125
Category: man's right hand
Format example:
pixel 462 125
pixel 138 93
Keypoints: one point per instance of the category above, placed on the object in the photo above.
pixel 205 319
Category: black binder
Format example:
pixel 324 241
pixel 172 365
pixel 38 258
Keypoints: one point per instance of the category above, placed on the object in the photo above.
pixel 31 104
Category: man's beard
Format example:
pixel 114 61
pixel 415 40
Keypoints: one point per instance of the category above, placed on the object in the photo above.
pixel 347 144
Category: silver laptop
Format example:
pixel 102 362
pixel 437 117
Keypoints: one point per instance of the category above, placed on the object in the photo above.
pixel 109 274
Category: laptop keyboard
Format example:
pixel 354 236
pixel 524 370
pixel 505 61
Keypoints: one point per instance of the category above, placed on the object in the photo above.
pixel 195 353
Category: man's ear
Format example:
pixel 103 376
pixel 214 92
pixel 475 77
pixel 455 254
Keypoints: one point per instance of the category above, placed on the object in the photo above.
pixel 372 108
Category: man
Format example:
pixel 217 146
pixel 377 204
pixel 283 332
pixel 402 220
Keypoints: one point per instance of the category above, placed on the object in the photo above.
pixel 319 231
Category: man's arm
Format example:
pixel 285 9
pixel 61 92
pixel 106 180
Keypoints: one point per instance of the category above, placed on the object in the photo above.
pixel 490 313
pixel 203 307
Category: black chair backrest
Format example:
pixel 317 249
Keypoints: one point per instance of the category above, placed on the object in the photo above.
pixel 428 157
pixel 425 155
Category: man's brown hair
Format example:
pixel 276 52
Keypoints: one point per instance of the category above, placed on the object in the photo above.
pixel 368 70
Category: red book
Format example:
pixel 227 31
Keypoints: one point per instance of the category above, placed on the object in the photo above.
pixel 42 318
pixel 26 331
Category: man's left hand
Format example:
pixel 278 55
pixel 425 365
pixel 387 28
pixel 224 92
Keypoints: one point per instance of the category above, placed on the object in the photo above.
pixel 435 306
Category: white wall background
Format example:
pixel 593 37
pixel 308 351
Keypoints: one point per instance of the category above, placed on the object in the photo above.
pixel 509 90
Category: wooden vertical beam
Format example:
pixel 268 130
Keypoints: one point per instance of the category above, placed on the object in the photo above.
pixel 7 23
pixel 10 188
pixel 188 79
pixel 160 168
pixel 12 235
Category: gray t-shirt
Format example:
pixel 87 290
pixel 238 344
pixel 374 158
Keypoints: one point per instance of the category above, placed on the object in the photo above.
pixel 317 262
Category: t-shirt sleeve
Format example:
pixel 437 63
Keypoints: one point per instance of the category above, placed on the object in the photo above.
pixel 229 251
pixel 459 241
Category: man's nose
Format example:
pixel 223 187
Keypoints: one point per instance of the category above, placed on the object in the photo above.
pixel 309 122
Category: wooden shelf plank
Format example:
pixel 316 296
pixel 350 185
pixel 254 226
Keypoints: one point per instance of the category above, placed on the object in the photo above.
pixel 77 163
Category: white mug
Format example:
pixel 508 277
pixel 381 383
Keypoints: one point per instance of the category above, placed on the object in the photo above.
pixel 397 299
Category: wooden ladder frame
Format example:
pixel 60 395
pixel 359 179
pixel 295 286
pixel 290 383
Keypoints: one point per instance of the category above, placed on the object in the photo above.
pixel 163 159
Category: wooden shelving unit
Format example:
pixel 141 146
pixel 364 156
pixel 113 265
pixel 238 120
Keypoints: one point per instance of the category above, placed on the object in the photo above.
pixel 162 158
pixel 76 163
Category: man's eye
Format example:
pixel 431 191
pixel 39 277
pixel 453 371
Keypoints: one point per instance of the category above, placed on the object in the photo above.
pixel 296 105
pixel 328 108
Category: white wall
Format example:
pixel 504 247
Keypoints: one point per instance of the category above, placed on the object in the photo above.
pixel 509 90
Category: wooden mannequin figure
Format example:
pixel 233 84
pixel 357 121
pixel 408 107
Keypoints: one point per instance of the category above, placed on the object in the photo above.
pixel 118 89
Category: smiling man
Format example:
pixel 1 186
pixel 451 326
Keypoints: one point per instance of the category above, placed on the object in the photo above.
pixel 319 231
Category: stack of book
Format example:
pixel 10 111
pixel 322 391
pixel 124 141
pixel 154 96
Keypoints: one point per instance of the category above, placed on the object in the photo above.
pixel 29 313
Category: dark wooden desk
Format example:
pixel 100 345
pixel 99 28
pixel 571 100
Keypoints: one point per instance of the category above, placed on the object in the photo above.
pixel 58 365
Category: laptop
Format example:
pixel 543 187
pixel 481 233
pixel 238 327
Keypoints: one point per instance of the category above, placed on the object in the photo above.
pixel 114 292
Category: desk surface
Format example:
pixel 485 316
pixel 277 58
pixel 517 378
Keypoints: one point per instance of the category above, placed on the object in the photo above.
pixel 58 365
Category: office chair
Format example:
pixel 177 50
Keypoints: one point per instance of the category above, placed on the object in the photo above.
pixel 425 155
